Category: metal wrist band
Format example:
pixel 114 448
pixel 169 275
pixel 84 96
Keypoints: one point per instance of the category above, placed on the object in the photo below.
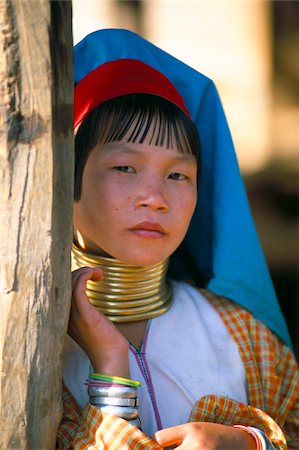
pixel 125 412
pixel 112 391
pixel 134 402
pixel 121 401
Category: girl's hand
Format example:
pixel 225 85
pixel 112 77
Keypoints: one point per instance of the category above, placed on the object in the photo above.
pixel 205 436
pixel 105 346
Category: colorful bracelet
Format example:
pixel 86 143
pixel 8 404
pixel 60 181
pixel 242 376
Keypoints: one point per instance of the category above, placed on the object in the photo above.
pixel 114 395
pixel 250 431
pixel 114 379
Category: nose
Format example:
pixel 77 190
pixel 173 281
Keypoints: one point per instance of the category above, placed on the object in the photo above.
pixel 151 195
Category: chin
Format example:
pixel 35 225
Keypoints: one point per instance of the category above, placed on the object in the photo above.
pixel 142 260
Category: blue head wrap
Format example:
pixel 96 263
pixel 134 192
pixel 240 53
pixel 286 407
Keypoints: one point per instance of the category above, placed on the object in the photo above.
pixel 221 244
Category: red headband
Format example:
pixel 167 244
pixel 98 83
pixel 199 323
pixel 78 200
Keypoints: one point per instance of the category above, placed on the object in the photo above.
pixel 122 77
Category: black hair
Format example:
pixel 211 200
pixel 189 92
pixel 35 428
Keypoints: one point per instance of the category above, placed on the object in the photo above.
pixel 134 113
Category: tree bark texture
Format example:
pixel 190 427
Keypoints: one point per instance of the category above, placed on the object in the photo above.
pixel 36 189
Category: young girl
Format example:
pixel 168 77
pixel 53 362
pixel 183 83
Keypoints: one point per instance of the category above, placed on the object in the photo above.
pixel 153 361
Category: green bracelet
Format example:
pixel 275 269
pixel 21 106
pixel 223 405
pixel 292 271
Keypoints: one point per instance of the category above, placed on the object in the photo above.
pixel 114 379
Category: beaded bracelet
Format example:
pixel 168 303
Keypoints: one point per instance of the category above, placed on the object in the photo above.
pixel 252 433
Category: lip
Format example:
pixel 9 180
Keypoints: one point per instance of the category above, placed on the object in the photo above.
pixel 150 227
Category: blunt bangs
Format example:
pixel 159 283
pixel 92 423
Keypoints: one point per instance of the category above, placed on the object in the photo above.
pixel 134 117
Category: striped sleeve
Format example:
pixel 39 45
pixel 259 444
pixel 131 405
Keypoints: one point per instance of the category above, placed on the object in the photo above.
pixel 225 411
pixel 271 369
pixel 93 430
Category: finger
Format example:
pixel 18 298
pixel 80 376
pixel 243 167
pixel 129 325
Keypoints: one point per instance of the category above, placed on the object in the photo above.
pixel 77 274
pixel 91 274
pixel 170 436
pixel 84 274
pixel 79 302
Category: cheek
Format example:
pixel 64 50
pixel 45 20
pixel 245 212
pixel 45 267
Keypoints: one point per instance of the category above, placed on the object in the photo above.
pixel 187 208
pixel 188 203
pixel 111 204
pixel 193 200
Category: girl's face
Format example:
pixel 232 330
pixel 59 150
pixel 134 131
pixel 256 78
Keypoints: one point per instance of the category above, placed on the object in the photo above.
pixel 137 201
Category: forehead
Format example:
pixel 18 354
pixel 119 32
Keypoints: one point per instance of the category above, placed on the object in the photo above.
pixel 142 150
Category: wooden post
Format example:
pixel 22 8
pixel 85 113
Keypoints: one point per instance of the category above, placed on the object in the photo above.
pixel 36 186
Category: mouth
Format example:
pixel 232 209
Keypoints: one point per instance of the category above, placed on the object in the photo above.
pixel 148 229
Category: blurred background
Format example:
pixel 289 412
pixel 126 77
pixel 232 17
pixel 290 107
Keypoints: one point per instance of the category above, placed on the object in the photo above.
pixel 251 51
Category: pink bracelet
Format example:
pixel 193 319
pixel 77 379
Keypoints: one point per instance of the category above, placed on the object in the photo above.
pixel 252 433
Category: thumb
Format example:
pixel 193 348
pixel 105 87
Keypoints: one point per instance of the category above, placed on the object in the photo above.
pixel 170 436
pixel 80 281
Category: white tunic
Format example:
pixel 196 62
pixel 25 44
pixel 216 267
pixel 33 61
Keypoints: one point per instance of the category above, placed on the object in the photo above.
pixel 187 353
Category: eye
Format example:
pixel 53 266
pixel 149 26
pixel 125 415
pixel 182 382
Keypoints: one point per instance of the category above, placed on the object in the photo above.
pixel 177 176
pixel 125 169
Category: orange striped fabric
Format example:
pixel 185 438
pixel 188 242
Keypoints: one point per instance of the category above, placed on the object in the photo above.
pixel 272 374
pixel 273 395
pixel 93 429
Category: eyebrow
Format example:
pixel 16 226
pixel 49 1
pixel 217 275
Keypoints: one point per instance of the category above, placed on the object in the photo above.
pixel 125 148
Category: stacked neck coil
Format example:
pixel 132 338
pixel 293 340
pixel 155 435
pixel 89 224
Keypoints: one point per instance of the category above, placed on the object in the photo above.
pixel 126 293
